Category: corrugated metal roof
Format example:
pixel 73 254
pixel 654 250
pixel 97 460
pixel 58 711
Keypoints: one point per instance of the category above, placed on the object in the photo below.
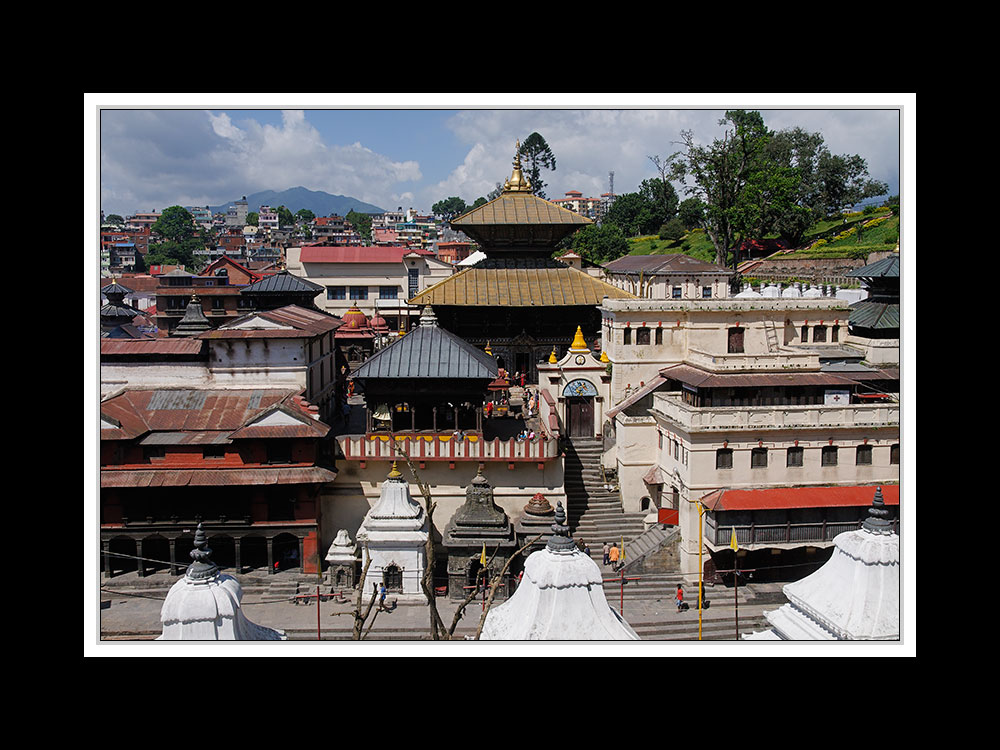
pixel 887 267
pixel 703 379
pixel 158 346
pixel 781 498
pixel 216 477
pixel 869 314
pixel 429 352
pixel 519 283
pixel 300 321
pixel 664 264
pixel 282 283
pixel 651 386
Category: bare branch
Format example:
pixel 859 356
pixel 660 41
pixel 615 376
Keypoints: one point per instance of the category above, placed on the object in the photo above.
pixel 495 583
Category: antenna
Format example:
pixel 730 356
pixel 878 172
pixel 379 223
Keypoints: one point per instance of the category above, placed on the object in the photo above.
pixel 611 183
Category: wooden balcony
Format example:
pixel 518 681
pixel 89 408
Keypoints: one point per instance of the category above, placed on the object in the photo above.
pixel 446 446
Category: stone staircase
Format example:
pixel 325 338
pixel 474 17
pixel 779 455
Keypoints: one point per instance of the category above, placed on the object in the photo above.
pixel 593 513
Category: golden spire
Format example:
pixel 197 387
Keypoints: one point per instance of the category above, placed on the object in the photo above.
pixel 604 356
pixel 578 345
pixel 517 182
pixel 552 357
pixel 394 472
pixel 488 350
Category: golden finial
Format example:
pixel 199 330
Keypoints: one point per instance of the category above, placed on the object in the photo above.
pixel 552 357
pixel 488 350
pixel 578 345
pixel 604 356
pixel 394 472
pixel 517 182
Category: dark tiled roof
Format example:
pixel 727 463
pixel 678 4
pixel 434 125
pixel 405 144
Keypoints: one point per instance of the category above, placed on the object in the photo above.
pixel 429 352
pixel 282 283
pixel 887 267
pixel 869 314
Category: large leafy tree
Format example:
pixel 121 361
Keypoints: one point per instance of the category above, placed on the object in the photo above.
pixel 179 237
pixel 743 191
pixel 598 243
pixel 285 217
pixel 362 224
pixel 450 207
pixel 536 155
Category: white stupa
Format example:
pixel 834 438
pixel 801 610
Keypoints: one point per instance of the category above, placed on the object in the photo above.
pixel 395 531
pixel 205 604
pixel 853 597
pixel 560 598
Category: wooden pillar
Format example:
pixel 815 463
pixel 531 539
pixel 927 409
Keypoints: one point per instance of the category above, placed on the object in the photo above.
pixel 106 547
pixel 413 419
pixel 173 556
pixel 270 556
pixel 302 556
pixel 140 563
pixel 434 411
pixel 239 547
pixel 479 419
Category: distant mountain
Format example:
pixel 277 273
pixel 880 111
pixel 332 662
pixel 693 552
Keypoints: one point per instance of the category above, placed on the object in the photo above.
pixel 320 203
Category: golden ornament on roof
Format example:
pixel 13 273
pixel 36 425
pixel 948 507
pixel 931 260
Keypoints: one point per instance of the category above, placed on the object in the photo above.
pixel 578 345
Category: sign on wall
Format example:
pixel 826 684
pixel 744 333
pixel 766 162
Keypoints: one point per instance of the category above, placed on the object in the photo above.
pixel 579 387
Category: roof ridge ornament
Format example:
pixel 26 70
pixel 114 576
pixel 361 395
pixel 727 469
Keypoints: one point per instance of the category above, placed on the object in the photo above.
pixel 560 541
pixel 202 567
pixel 579 344
pixel 878 516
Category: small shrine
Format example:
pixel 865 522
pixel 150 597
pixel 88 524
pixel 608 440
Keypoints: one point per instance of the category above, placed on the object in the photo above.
pixel 194 320
pixel 117 316
pixel 342 558
pixel 560 598
pixel 853 597
pixel 478 531
pixel 394 535
pixel 536 518
pixel 579 384
pixel 205 604
pixel 355 337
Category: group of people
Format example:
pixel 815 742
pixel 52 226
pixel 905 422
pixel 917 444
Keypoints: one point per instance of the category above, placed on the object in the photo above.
pixel 612 555
pixel 526 434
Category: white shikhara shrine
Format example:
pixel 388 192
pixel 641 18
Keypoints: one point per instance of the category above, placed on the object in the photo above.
pixel 560 598
pixel 853 597
pixel 205 604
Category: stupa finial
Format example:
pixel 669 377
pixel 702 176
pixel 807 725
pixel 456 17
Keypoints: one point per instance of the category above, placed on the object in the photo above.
pixel 878 516
pixel 560 541
pixel 202 567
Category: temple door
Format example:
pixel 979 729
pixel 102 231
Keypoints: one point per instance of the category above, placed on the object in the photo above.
pixel 580 415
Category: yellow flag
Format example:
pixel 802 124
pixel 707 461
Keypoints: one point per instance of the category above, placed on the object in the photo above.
pixel 482 557
pixel 733 545
pixel 621 557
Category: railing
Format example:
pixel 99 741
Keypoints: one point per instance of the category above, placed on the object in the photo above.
pixel 438 446
pixel 749 362
pixel 782 533
pixel 775 416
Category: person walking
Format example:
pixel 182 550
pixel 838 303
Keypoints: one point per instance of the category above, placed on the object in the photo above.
pixel 679 597
pixel 613 556
pixel 381 596
pixel 606 549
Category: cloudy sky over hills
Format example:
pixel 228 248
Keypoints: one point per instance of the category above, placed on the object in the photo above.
pixel 154 152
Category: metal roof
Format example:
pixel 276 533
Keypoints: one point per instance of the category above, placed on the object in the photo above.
pixel 520 282
pixel 518 209
pixel 282 283
pixel 429 351
pixel 216 477
pixel 887 267
pixel 676 263
pixel 299 322
pixel 698 378
pixel 869 314
pixel 780 498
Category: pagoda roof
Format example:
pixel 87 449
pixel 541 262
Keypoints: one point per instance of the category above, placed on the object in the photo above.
pixel 871 314
pixel 886 268
pixel 282 283
pixel 517 209
pixel 519 282
pixel 429 351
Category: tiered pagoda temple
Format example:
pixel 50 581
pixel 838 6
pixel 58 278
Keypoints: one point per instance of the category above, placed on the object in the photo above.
pixel 519 299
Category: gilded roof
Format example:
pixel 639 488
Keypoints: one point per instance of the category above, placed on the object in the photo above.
pixel 518 209
pixel 521 283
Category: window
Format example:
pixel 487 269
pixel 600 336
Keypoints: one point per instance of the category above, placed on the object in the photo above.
pixel 659 336
pixel 864 457
pixel 414 281
pixel 176 303
pixel 642 337
pixel 758 458
pixel 150 452
pixel 218 304
pixel 388 292
pixel 736 340
pixel 336 292
pixel 805 334
pixel 359 292
pixel 724 458
pixel 819 334
pixel 793 457
pixel 835 333
pixel 706 292
pixel 894 454
pixel 213 451
pixel 627 336
pixel 392 577
pixel 675 292
pixel 279 452
pixel 829 455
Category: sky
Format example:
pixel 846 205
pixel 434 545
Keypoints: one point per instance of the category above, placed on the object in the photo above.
pixel 153 151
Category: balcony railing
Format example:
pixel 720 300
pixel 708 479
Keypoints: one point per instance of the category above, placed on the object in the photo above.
pixel 782 533
pixel 437 446
pixel 779 416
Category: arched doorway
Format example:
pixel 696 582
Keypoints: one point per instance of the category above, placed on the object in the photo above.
pixel 253 553
pixel 580 395
pixel 223 551
pixel 286 552
pixel 155 554
pixel 121 557
pixel 392 577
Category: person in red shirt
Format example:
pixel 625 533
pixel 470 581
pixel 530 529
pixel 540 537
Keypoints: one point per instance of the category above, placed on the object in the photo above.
pixel 680 597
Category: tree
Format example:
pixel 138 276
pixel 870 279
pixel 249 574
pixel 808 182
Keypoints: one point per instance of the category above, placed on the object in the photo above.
pixel 480 201
pixel 285 218
pixel 599 243
pixel 114 220
pixel 691 213
pixel 537 155
pixel 304 216
pixel 362 224
pixel 743 191
pixel 449 208
pixel 181 239
pixel 253 219
pixel 661 199
pixel 633 214
pixel 673 230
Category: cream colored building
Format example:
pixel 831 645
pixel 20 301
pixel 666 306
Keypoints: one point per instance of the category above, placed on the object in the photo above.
pixel 375 279
pixel 740 394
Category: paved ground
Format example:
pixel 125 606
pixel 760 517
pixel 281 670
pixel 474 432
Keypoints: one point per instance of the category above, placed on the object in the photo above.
pixel 132 614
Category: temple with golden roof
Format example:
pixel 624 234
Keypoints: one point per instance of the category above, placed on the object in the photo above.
pixel 520 299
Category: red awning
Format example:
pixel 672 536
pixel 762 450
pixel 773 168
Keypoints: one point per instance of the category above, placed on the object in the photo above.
pixel 783 498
